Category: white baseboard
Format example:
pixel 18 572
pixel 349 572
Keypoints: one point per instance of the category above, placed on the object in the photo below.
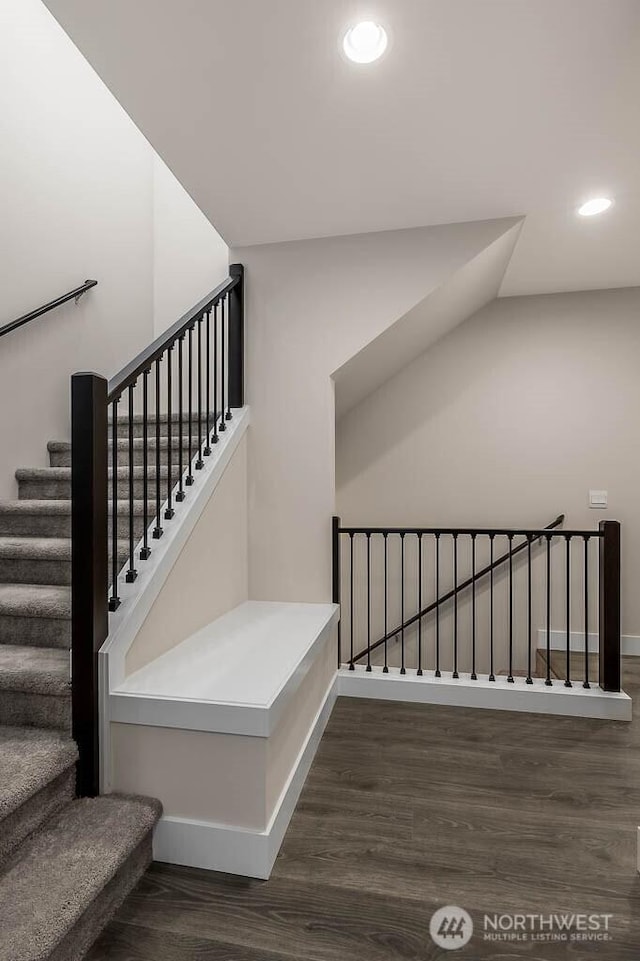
pixel 496 695
pixel 629 643
pixel 235 850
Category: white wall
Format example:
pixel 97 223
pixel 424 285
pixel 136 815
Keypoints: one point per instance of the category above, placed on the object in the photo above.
pixel 77 201
pixel 509 420
pixel 311 306
pixel 190 257
pixel 209 577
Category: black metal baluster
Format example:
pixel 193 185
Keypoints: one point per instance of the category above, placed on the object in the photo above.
pixel 230 317
pixel 419 605
pixel 169 511
pixel 455 606
pixel 351 617
pixel 492 676
pixel 510 679
pixel 189 477
pixel 180 495
pixel 199 462
pixel 586 613
pixel 438 673
pixel 385 669
pixel 368 602
pixel 548 680
pixel 157 531
pixel 207 448
pixel 567 682
pixel 474 676
pixel 223 365
pixel 132 572
pixel 114 600
pixel 402 667
pixel 215 373
pixel 529 612
pixel 145 550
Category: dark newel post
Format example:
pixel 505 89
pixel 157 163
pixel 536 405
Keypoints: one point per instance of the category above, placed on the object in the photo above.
pixel 610 605
pixel 236 338
pixel 89 570
pixel 335 574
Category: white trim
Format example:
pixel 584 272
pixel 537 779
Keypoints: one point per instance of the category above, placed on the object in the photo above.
pixel 144 705
pixel 496 695
pixel 138 598
pixel 629 643
pixel 235 850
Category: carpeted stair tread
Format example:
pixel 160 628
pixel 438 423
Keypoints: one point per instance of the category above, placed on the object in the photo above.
pixel 35 600
pixel 34 670
pixel 64 473
pixel 64 446
pixel 58 507
pixel 41 548
pixel 29 759
pixel 34 506
pixel 60 872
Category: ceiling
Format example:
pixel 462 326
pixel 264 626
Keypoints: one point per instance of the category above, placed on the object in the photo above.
pixel 479 109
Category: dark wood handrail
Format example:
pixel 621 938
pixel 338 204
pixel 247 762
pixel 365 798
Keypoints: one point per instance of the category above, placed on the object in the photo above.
pixel 39 311
pixel 531 535
pixel 129 374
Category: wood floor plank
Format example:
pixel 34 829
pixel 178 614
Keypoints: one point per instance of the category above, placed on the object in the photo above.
pixel 131 942
pixel 315 921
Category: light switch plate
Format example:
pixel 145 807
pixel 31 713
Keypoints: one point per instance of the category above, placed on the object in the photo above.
pixel 598 500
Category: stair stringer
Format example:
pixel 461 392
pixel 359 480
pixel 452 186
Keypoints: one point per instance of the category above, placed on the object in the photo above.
pixel 139 597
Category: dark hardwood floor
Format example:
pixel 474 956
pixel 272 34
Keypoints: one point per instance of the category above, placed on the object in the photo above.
pixel 408 808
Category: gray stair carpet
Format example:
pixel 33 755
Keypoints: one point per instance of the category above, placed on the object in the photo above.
pixel 65 864
pixel 64 883
pixel 37 774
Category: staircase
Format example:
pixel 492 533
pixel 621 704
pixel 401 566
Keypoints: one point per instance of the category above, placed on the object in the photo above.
pixel 65 863
pixel 69 858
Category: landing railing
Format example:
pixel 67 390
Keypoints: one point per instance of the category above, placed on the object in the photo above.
pixel 474 601
pixel 138 443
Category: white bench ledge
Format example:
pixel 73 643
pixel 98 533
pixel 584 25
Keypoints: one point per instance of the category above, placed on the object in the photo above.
pixel 234 676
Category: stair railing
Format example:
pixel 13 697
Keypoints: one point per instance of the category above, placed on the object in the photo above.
pixel 129 476
pixel 378 576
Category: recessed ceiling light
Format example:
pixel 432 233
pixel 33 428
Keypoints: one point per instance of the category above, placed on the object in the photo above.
pixel 596 206
pixel 365 42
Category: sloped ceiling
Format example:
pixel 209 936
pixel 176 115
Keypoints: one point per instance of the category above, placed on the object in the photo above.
pixel 471 286
pixel 478 110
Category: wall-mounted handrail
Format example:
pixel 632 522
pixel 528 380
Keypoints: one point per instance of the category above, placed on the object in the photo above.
pixel 465 584
pixel 33 314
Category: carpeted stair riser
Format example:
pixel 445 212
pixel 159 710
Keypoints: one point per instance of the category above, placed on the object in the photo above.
pixel 36 810
pixel 55 483
pixel 35 631
pixel 15 570
pixel 21 709
pixel 16 520
pixel 138 430
pixel 100 911
pixel 60 454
